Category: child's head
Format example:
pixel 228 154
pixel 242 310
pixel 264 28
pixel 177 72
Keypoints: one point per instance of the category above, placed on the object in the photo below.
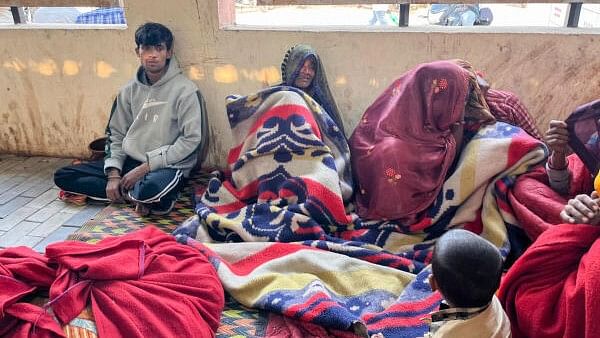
pixel 466 269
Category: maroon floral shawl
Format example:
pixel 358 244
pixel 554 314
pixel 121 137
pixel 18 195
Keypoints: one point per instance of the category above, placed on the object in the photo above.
pixel 403 146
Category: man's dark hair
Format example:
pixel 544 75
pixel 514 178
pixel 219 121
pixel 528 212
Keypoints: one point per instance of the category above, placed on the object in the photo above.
pixel 466 268
pixel 153 34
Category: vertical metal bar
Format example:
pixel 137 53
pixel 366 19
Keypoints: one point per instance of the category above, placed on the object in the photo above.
pixel 574 11
pixel 18 14
pixel 403 16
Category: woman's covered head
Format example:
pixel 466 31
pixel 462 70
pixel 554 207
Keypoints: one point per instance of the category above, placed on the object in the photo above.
pixel 466 268
pixel 302 68
pixel 438 94
pixel 299 66
pixel 415 127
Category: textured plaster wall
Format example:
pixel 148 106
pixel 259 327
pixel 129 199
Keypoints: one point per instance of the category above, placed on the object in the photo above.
pixel 57 85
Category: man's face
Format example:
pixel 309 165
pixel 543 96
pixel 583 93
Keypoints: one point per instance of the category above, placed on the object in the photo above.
pixel 154 58
pixel 306 74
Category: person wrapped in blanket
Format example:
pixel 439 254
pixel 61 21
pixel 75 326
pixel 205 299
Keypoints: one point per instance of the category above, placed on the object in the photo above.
pixel 302 68
pixel 413 133
pixel 583 207
pixel 552 290
pixel 558 192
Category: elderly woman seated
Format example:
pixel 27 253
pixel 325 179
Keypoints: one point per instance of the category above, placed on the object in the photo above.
pixel 302 68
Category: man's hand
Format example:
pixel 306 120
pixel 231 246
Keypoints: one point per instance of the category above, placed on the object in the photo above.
pixel 113 191
pixel 132 177
pixel 582 209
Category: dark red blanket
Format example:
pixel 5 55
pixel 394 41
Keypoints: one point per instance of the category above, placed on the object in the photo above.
pixel 536 206
pixel 22 272
pixel 553 290
pixel 143 284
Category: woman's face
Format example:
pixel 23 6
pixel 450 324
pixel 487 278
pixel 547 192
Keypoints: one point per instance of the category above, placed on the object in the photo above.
pixel 306 74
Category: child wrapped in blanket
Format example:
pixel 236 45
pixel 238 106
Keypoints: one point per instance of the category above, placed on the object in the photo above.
pixel 466 270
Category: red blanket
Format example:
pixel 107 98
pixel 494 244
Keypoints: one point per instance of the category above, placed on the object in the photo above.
pixel 537 206
pixel 553 290
pixel 22 272
pixel 143 284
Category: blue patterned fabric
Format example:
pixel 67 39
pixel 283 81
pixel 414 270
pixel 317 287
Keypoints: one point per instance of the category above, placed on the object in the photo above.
pixel 106 16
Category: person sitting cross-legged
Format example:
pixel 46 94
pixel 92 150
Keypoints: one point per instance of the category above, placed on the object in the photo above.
pixel 153 133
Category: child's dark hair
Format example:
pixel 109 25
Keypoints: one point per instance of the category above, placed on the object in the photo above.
pixel 153 34
pixel 466 268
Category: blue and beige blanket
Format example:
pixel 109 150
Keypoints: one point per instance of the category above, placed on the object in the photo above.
pixel 281 232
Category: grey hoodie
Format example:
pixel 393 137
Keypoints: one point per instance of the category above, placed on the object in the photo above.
pixel 159 124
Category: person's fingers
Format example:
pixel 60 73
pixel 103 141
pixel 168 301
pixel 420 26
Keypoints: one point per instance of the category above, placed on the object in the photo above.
pixel 112 192
pixel 126 182
pixel 115 195
pixel 557 138
pixel 574 213
pixel 558 124
pixel 595 195
pixel 557 133
pixel 581 203
pixel 561 138
pixel 566 217
pixel 588 202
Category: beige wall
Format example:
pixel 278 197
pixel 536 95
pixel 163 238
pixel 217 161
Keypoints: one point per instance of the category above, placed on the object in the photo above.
pixel 57 85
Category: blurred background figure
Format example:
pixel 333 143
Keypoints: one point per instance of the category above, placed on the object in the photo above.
pixel 6 17
pixel 459 15
pixel 379 12
pixel 55 15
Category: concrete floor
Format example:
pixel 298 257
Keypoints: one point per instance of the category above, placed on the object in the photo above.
pixel 30 212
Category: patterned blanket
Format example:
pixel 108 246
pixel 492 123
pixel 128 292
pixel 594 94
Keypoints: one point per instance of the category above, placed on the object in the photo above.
pixel 290 182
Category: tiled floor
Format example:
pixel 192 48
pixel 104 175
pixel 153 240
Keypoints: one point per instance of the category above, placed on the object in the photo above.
pixel 30 212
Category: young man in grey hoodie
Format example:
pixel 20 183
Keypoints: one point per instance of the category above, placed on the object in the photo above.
pixel 153 133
